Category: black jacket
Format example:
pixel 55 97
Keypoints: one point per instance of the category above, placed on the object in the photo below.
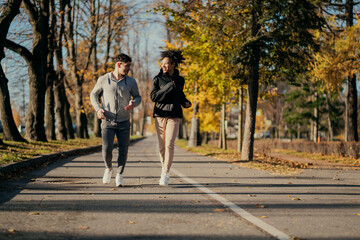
pixel 168 95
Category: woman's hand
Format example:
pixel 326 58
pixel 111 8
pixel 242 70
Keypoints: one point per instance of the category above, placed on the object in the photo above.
pixel 187 104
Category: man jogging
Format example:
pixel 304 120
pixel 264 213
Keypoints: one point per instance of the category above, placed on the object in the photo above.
pixel 119 94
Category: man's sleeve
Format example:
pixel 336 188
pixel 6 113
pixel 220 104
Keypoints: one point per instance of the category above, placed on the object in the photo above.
pixel 95 95
pixel 135 94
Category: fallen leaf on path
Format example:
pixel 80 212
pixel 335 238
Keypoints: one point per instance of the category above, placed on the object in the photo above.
pixel 199 201
pixel 290 183
pixel 132 222
pixel 288 196
pixel 263 216
pixel 337 179
pixel 296 199
pixel 112 189
pixel 219 210
pixel 11 230
pixel 358 214
pixel 84 227
pixel 297 238
pixel 161 197
pixel 260 206
pixel 34 213
pixel 251 195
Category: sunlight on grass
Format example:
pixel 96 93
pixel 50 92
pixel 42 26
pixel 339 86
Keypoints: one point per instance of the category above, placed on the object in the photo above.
pixel 229 155
pixel 17 151
pixel 321 157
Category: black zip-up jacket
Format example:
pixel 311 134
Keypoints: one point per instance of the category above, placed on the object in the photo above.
pixel 168 95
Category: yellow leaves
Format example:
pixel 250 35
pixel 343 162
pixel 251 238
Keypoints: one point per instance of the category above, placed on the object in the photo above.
pixel 219 210
pixel 34 213
pixel 260 206
pixel 339 58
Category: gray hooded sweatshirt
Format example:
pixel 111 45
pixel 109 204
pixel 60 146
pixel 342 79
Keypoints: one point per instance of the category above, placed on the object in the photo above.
pixel 116 95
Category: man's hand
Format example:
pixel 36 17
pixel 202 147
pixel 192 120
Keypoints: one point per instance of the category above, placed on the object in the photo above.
pixel 130 106
pixel 100 114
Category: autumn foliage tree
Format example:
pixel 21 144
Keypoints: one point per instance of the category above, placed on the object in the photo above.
pixel 269 40
pixel 335 62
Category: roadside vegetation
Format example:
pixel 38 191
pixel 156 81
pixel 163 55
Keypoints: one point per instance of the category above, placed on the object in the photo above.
pixel 267 163
pixel 18 151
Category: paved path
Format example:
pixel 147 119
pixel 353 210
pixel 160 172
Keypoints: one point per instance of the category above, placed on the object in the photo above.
pixel 206 199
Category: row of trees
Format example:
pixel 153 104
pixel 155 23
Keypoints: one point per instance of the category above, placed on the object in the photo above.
pixel 255 45
pixel 70 45
pixel 237 52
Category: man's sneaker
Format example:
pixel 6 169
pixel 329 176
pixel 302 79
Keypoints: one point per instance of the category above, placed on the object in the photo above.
pixel 164 179
pixel 119 180
pixel 107 176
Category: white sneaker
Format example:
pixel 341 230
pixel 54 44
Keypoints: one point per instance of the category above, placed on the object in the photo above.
pixel 119 180
pixel 164 179
pixel 107 176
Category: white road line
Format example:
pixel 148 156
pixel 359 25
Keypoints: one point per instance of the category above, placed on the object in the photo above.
pixel 236 209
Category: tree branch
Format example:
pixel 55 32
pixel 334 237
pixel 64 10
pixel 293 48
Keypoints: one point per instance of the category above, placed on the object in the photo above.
pixel 22 51
pixel 31 10
pixel 7 16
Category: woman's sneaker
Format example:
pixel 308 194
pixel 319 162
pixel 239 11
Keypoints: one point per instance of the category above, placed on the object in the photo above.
pixel 164 179
pixel 107 176
pixel 119 180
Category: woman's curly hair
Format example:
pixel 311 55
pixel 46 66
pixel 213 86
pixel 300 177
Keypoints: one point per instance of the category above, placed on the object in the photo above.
pixel 175 56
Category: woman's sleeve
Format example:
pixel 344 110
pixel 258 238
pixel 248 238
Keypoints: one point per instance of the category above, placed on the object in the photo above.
pixel 158 94
pixel 183 99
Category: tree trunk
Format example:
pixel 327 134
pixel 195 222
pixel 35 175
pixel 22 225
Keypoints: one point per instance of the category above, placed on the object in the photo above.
pixel 351 113
pixel 240 119
pixel 68 120
pixel 34 122
pixel 194 130
pixel 252 90
pixel 94 30
pixel 50 112
pixel 37 67
pixel 81 121
pixel 316 119
pixel 59 86
pixel 10 131
pixel 331 131
pixel 50 76
pixel 223 127
pixel 351 98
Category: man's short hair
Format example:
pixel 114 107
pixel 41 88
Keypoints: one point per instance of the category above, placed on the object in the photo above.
pixel 122 57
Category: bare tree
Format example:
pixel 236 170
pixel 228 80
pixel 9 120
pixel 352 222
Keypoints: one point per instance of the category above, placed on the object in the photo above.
pixel 10 131
pixel 37 66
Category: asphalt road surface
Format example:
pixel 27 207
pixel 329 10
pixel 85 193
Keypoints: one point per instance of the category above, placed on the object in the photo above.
pixel 206 199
